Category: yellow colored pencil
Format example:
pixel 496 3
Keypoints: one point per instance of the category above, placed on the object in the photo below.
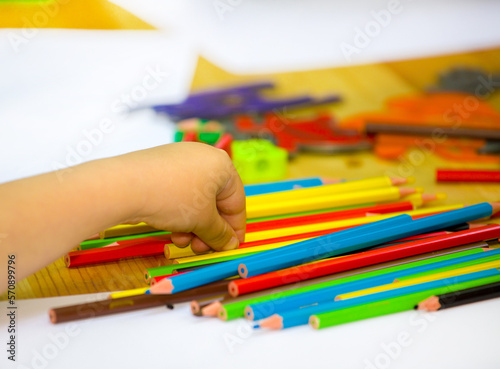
pixel 328 189
pixel 427 278
pixel 126 230
pixel 128 293
pixel 326 202
pixel 175 252
pixel 246 250
pixel 281 232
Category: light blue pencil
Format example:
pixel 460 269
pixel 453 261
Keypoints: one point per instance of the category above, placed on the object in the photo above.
pixel 228 269
pixel 264 309
pixel 298 317
pixel 289 256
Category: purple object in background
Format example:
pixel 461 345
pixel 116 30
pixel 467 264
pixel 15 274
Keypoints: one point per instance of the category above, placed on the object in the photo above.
pixel 243 99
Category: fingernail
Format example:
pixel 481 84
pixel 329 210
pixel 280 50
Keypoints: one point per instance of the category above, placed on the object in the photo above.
pixel 233 244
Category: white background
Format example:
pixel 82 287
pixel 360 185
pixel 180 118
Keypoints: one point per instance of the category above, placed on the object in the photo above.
pixel 63 83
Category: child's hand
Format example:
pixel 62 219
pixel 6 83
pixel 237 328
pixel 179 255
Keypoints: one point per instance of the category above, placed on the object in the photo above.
pixel 189 188
pixel 193 190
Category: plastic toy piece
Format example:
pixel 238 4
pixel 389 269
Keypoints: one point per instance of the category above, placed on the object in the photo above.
pixel 259 161
pixel 319 134
pixel 209 132
pixel 466 80
pixel 221 103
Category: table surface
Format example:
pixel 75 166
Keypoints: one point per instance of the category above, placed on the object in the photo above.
pixel 363 88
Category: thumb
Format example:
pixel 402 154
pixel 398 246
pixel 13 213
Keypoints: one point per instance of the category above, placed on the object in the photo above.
pixel 216 234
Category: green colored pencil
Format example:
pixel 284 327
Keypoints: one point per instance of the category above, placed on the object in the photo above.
pixel 450 267
pixel 94 244
pixel 389 306
pixel 169 269
pixel 236 309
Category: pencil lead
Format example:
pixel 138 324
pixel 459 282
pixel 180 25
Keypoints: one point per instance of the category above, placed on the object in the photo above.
pixel 148 292
pixel 170 307
pixel 256 326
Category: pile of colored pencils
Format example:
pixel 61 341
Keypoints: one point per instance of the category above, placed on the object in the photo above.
pixel 315 252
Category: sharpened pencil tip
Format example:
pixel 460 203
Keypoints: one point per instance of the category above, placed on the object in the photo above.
pixel 256 326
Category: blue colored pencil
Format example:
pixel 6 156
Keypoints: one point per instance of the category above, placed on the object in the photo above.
pixel 264 309
pixel 279 186
pixel 291 255
pixel 228 269
pixel 298 317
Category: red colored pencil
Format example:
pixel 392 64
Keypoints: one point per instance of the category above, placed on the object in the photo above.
pixel 113 253
pixel 156 248
pixel 466 175
pixel 330 216
pixel 329 266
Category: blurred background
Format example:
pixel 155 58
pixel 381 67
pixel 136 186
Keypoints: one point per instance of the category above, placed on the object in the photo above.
pixel 69 67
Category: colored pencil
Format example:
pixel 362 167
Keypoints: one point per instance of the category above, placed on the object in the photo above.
pixel 128 293
pixel 235 308
pixel 330 216
pixel 228 269
pixel 328 291
pixel 125 240
pixel 301 229
pixel 131 303
pixel 177 266
pixel 278 186
pixel 301 213
pixel 126 229
pixel 301 316
pixel 272 243
pixel 389 306
pixel 462 297
pixel 326 190
pixel 467 175
pixel 329 266
pixel 393 265
pixel 326 247
pixel 327 201
pixel 414 281
pixel 113 253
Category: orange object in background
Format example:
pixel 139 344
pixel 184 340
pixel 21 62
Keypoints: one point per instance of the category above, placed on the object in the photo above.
pixel 451 110
pixel 439 110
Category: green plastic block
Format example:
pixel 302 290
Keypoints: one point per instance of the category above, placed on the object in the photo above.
pixel 259 161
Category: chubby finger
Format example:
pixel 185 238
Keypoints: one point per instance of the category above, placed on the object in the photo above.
pixel 181 239
pixel 199 247
pixel 217 234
